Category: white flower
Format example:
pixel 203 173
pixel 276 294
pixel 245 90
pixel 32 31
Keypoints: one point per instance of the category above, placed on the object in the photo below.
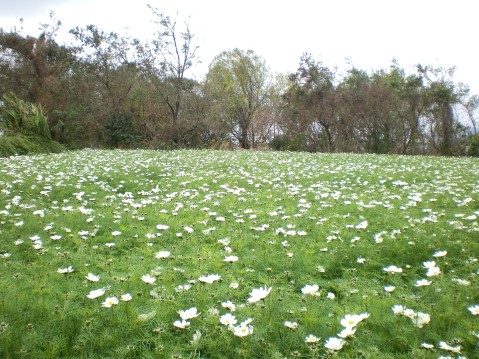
pixel 311 289
pixel 109 302
pixel 182 288
pixel 291 325
pixel 228 319
pixel 347 332
pixel 162 227
pixel 420 319
pixel 115 233
pixel 65 270
pixel 362 225
pixel 422 283
pixel 351 320
pixel 209 278
pixel 188 313
pixel 188 229
pixel 433 271
pixel 230 259
pixel 96 293
pixel 427 345
pixel 229 305
pixel 243 330
pixel 148 279
pixel 234 285
pixel 92 278
pixel 334 344
pixel 392 269
pixel 445 346
pixel 331 296
pixel 181 324
pixel 474 309
pixel 398 309
pixel 162 254
pixel 389 288
pixel 361 260
pixel 429 264
pixel 126 297
pixel 311 339
pixel 440 254
pixel 258 293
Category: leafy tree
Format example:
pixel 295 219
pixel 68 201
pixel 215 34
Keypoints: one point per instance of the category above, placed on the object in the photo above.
pixel 239 85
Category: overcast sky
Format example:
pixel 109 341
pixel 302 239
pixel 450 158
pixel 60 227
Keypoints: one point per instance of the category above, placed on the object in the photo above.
pixel 368 32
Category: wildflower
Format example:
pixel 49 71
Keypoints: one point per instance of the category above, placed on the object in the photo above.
pixel 258 293
pixel 115 233
pixel 189 313
pixel 291 325
pixel 331 296
pixel 182 288
pixel 440 254
pixel 427 346
pixel 392 269
pixel 429 264
pixel 422 283
pixel 409 313
pixel 162 227
pixel 361 260
pixel 228 319
pixel 188 229
pixel 398 309
pixel 96 293
pixel 310 289
pixel 243 330
pixel 126 297
pixel 229 305
pixel 109 302
pixel 209 278
pixel 433 271
pixel 148 279
pixel 351 320
pixel 196 338
pixel 92 278
pixel 445 346
pixel 183 324
pixel 311 339
pixel 421 319
pixel 65 270
pixel 389 288
pixel 334 344
pixel 474 309
pixel 230 259
pixel 347 332
pixel 162 254
pixel 362 225
pixel 234 285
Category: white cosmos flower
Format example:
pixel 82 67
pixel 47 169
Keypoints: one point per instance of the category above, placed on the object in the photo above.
pixel 126 297
pixel 422 283
pixel 258 293
pixel 65 270
pixel 92 278
pixel 398 309
pixel 183 324
pixel 427 345
pixel 115 233
pixel 392 269
pixel 429 264
pixel 230 259
pixel 389 288
pixel 162 254
pixel 440 254
pixel 162 227
pixel 229 305
pixel 148 279
pixel 209 278
pixel 433 271
pixel 334 344
pixel 331 296
pixel 312 339
pixel 96 293
pixel 243 330
pixel 445 346
pixel 474 309
pixel 109 302
pixel 347 332
pixel 311 289
pixel 188 313
pixel 291 325
pixel 421 319
pixel 228 319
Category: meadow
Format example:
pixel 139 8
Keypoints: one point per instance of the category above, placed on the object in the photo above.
pixel 236 254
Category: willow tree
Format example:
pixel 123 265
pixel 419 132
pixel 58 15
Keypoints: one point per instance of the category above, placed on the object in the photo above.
pixel 238 83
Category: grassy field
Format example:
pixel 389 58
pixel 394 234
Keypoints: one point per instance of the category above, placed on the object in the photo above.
pixel 202 254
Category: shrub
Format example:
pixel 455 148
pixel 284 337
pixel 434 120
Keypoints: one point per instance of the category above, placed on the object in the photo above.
pixel 472 148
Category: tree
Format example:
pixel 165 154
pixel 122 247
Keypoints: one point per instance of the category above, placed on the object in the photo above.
pixel 238 83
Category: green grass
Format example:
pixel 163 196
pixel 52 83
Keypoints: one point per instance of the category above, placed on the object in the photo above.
pixel 292 219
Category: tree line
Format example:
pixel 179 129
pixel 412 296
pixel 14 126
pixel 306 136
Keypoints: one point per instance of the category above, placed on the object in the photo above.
pixel 107 90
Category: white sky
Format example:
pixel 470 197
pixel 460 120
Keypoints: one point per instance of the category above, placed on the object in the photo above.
pixel 369 32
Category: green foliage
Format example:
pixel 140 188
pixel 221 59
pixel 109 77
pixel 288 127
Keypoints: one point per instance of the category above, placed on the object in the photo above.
pixel 472 148
pixel 289 143
pixel 24 117
pixel 121 131
pixel 20 144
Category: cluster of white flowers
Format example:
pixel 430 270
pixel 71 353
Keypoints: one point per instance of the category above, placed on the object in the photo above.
pixel 419 319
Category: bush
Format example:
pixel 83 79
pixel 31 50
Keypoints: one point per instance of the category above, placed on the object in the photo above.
pixel 19 144
pixel 289 143
pixel 472 148
pixel 121 132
